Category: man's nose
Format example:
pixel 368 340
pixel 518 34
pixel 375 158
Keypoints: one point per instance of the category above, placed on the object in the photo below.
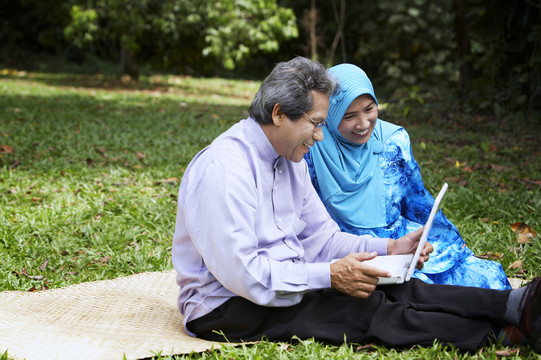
pixel 318 134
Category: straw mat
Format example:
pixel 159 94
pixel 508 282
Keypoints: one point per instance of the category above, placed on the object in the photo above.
pixel 135 316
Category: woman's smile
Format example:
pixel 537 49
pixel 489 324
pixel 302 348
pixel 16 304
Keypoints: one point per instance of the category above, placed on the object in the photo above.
pixel 362 133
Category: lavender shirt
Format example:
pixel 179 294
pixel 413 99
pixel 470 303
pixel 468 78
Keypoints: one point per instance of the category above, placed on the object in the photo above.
pixel 250 224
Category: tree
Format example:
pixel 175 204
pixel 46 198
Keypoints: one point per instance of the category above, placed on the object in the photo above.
pixel 240 28
pixel 233 30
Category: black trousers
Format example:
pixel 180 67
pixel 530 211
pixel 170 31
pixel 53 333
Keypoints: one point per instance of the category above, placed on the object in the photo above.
pixel 394 316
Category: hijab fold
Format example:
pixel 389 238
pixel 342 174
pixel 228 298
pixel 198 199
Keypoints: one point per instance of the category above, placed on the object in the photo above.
pixel 349 175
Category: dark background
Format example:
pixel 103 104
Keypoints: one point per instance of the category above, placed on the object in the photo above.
pixel 481 56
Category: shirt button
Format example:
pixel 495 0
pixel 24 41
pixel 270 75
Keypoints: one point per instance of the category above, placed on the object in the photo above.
pixel 276 188
pixel 279 219
pixel 279 171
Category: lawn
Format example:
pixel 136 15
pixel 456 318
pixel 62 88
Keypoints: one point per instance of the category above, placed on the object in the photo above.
pixel 90 168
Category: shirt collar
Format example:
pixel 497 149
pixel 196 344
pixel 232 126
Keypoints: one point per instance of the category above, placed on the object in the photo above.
pixel 260 141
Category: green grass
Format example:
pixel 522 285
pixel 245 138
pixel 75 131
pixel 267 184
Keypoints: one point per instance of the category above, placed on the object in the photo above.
pixel 90 168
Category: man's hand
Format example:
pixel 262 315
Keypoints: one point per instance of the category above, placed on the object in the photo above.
pixel 351 276
pixel 407 245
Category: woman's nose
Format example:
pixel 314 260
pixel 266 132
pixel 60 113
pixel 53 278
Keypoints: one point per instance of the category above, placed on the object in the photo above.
pixel 363 122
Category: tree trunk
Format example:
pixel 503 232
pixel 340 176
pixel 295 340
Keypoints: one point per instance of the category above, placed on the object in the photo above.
pixel 128 62
pixel 464 48
pixel 313 34
pixel 339 36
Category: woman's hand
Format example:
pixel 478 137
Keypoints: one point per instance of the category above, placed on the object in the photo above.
pixel 407 244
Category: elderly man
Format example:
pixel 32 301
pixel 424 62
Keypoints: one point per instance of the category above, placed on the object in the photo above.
pixel 253 245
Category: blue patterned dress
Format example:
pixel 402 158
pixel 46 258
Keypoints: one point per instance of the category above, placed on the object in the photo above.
pixel 408 206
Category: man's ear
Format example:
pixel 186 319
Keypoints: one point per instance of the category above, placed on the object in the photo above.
pixel 277 114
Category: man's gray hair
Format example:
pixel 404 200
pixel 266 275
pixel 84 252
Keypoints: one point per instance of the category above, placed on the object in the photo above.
pixel 290 84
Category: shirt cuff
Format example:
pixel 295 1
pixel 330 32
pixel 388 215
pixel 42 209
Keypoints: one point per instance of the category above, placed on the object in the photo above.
pixel 319 275
pixel 377 244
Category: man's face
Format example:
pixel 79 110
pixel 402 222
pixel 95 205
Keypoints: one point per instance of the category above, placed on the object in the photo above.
pixel 296 137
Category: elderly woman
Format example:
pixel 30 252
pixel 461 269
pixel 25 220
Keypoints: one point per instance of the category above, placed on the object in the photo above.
pixel 365 174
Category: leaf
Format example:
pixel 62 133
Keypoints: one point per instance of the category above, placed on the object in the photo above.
pixel 140 156
pixel 517 264
pixel 535 182
pixel 170 181
pixel 6 149
pixel 507 352
pixel 500 168
pixel 490 255
pixel 524 238
pixel 121 184
pixel 43 265
pixel 285 347
pixel 363 347
pixel 14 164
pixel 525 233
pixel 468 169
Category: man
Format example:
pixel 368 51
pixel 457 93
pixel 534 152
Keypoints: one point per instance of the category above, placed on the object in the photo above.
pixel 253 245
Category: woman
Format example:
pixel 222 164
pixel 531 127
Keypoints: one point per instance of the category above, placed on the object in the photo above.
pixel 365 173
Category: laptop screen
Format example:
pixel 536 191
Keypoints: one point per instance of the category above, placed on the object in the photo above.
pixel 426 230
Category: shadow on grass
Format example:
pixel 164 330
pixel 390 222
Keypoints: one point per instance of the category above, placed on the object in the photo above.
pixel 71 130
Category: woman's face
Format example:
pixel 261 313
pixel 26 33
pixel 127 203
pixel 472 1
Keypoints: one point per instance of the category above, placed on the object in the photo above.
pixel 359 120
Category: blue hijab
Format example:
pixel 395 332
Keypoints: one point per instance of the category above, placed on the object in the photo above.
pixel 349 175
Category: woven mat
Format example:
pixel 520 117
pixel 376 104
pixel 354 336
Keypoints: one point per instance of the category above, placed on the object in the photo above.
pixel 134 316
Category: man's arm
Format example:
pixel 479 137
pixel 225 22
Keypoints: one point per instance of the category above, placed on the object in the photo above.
pixel 351 276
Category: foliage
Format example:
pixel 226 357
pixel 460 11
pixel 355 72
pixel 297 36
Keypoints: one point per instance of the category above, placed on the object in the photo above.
pixel 29 26
pixel 506 54
pixel 484 59
pixel 90 168
pixel 233 30
pixel 420 52
pixel 241 27
pixel 481 55
pixel 83 27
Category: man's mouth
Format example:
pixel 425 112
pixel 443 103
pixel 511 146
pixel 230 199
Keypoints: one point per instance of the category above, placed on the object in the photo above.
pixel 307 145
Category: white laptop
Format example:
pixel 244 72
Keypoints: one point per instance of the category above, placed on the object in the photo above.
pixel 402 267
